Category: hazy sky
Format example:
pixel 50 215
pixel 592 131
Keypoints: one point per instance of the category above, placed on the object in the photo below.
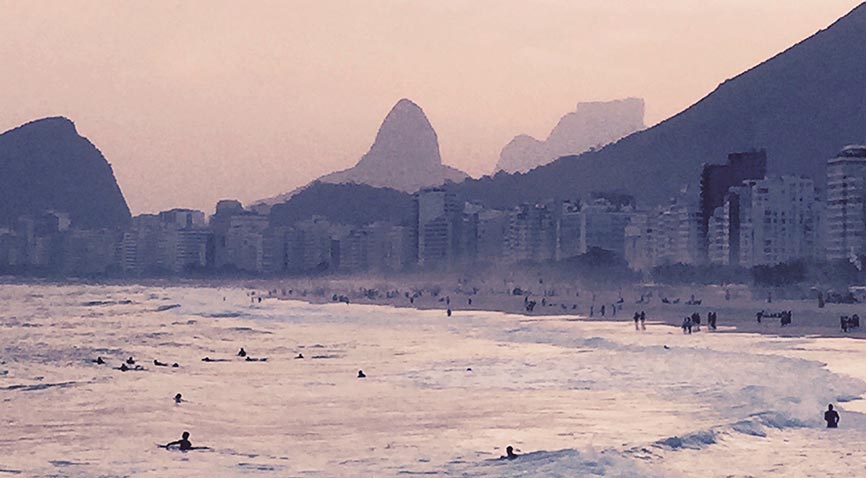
pixel 195 101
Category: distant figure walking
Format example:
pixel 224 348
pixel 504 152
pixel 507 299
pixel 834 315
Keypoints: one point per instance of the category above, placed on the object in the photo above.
pixel 242 352
pixel 602 311
pixel 449 312
pixel 831 417
pixel 642 320
pixel 361 374
pixel 759 316
pixel 636 320
pixel 509 453
pixel 687 325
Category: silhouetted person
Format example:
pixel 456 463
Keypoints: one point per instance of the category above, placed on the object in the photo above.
pixel 361 374
pixel 175 365
pixel 470 301
pixel 130 361
pixel 509 453
pixel 642 320
pixel 178 398
pixel 99 361
pixel 300 356
pixel 242 352
pixel 831 417
pixel 636 319
pixel 602 311
pixel 159 364
pixel 123 367
pixel 183 443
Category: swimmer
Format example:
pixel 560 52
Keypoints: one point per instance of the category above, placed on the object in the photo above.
pixel 175 365
pixel 99 361
pixel 159 364
pixel 123 367
pixel 509 454
pixel 178 398
pixel 253 359
pixel 361 374
pixel 300 356
pixel 130 361
pixel 242 352
pixel 208 359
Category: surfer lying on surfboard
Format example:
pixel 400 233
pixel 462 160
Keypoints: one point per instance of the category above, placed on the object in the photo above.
pixel 183 444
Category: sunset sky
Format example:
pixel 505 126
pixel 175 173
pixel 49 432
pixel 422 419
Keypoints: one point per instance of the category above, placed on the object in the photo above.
pixel 196 101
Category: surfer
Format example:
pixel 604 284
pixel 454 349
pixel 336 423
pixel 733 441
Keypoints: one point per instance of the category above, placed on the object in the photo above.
pixel 831 417
pixel 130 361
pixel 159 364
pixel 361 374
pixel 178 398
pixel 183 444
pixel 99 361
pixel 300 356
pixel 242 352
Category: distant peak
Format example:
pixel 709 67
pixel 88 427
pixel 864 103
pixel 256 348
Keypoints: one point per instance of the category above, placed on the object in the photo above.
pixel 405 103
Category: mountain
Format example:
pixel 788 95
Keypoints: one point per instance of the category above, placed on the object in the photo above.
pixel 46 164
pixel 802 106
pixel 349 204
pixel 404 156
pixel 591 125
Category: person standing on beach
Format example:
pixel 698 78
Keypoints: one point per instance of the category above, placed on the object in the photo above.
pixel 636 319
pixel 642 320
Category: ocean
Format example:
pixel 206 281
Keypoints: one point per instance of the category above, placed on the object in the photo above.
pixel 442 396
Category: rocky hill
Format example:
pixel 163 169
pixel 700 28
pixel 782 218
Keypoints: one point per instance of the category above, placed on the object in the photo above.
pixel 591 125
pixel 47 165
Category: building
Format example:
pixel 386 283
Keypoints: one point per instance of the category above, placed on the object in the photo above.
pixel 439 219
pixel 603 226
pixel 531 233
pixel 846 197
pixel 767 221
pixel 492 231
pixel 717 179
pixel 568 230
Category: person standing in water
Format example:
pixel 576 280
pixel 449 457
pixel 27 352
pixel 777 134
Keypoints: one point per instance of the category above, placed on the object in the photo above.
pixel 831 417
pixel 509 453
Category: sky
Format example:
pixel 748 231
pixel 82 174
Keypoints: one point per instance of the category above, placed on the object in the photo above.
pixel 195 101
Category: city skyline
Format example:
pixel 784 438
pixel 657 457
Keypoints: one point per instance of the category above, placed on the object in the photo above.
pixel 227 102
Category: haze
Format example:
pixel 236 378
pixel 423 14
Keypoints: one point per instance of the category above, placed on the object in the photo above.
pixel 196 101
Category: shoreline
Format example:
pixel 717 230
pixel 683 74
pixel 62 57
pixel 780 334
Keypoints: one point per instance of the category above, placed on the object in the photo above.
pixel 735 306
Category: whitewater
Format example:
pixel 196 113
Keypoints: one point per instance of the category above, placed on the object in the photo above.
pixel 443 395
